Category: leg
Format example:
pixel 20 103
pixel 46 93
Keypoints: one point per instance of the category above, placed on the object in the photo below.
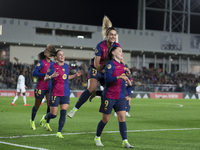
pixel 15 98
pixel 63 110
pixel 52 114
pixel 47 98
pixel 100 127
pixel 92 84
pixel 24 98
pixel 123 129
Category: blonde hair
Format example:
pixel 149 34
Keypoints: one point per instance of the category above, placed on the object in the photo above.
pixel 105 25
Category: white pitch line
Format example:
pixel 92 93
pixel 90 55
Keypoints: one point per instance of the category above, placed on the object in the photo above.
pixel 24 146
pixel 151 130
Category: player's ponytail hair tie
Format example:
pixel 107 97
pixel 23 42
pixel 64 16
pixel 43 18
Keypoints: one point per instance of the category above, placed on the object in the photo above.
pixel 105 26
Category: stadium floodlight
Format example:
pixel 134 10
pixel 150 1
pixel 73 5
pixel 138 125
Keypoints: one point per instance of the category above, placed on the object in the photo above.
pixel 80 37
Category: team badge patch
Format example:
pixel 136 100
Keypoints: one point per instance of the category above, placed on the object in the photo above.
pixel 109 66
pixel 64 76
pixel 48 70
pixel 38 64
pixel 105 108
pixel 96 50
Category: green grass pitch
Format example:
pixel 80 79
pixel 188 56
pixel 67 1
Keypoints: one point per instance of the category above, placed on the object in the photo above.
pixel 155 124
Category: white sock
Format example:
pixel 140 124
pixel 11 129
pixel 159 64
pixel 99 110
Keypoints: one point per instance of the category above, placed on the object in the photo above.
pixel 24 98
pixel 43 100
pixel 16 97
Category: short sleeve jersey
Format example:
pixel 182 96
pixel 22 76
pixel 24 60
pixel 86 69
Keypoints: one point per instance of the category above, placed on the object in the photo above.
pixel 116 89
pixel 101 50
pixel 21 82
pixel 60 84
pixel 43 66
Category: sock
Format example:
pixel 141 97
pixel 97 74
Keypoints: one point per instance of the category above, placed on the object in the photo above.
pixel 16 97
pixel 82 99
pixel 62 120
pixel 98 93
pixel 33 114
pixel 100 128
pixel 123 130
pixel 127 104
pixel 129 107
pixel 50 116
pixel 43 100
pixel 48 111
pixel 24 98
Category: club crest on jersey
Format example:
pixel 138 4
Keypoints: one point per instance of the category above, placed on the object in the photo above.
pixel 64 76
pixel 109 66
pixel 38 64
pixel 49 70
pixel 63 69
pixel 105 108
pixel 96 50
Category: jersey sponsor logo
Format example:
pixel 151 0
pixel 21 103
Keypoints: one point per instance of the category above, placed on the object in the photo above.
pixel 109 66
pixel 38 64
pixel 57 68
pixel 45 64
pixel 64 76
pixel 96 50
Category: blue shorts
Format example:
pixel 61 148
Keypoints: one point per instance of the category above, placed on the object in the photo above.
pixel 107 105
pixel 94 73
pixel 56 100
pixel 39 94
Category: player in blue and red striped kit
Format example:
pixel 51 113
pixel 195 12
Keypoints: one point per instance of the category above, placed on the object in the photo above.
pixel 95 72
pixel 128 96
pixel 59 92
pixel 114 95
pixel 42 88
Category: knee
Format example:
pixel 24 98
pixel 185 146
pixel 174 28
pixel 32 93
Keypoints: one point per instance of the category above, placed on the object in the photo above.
pixel 105 120
pixel 121 119
pixel 91 89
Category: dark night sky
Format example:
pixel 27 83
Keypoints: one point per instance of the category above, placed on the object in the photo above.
pixel 89 12
pixel 122 13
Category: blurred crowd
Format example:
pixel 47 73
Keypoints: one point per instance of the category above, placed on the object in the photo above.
pixel 9 73
pixel 150 80
pixel 155 81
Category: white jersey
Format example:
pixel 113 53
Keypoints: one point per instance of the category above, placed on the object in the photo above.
pixel 21 82
pixel 198 88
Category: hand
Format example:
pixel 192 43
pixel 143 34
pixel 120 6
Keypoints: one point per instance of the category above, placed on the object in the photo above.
pixel 79 73
pixel 55 74
pixel 26 87
pixel 125 78
pixel 128 71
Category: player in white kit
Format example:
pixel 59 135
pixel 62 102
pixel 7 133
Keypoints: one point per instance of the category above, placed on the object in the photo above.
pixel 198 90
pixel 21 88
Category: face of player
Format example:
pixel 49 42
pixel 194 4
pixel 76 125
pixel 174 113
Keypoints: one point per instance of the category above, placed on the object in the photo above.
pixel 60 56
pixel 111 37
pixel 47 55
pixel 118 54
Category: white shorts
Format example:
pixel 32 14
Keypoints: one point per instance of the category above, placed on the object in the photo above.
pixel 23 90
